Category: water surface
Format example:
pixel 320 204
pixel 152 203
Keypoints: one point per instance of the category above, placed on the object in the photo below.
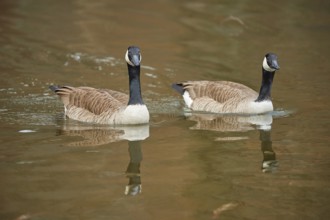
pixel 184 165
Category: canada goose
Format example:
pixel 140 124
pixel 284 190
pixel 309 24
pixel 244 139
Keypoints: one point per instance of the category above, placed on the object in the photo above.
pixel 231 97
pixel 105 106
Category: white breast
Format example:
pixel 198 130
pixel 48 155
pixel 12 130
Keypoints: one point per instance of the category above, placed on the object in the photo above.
pixel 132 114
pixel 259 107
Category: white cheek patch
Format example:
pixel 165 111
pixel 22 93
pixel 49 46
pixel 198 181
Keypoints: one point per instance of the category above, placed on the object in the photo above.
pixel 127 59
pixel 266 67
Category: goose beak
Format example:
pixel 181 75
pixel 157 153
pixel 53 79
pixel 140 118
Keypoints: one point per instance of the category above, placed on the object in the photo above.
pixel 136 60
pixel 275 65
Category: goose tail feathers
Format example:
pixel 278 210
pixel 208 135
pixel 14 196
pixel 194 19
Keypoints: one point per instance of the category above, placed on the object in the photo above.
pixel 54 88
pixel 178 87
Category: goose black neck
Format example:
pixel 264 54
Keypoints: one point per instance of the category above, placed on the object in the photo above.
pixel 266 85
pixel 135 96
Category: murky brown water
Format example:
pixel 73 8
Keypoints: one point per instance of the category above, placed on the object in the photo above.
pixel 189 166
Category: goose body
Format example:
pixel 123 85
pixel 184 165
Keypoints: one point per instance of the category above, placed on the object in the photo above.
pixel 230 97
pixel 104 106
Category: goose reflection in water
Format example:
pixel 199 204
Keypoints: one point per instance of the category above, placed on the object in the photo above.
pixel 96 135
pixel 239 124
pixel 134 185
pixel 100 135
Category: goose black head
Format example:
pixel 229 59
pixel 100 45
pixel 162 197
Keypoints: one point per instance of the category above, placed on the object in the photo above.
pixel 270 62
pixel 133 56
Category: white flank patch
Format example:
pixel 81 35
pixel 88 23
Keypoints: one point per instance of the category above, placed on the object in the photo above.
pixel 266 67
pixel 187 99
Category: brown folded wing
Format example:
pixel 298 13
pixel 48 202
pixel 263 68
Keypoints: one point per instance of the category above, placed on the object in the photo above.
pixel 220 91
pixel 93 100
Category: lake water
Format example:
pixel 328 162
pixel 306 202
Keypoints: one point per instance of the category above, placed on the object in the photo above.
pixel 184 166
